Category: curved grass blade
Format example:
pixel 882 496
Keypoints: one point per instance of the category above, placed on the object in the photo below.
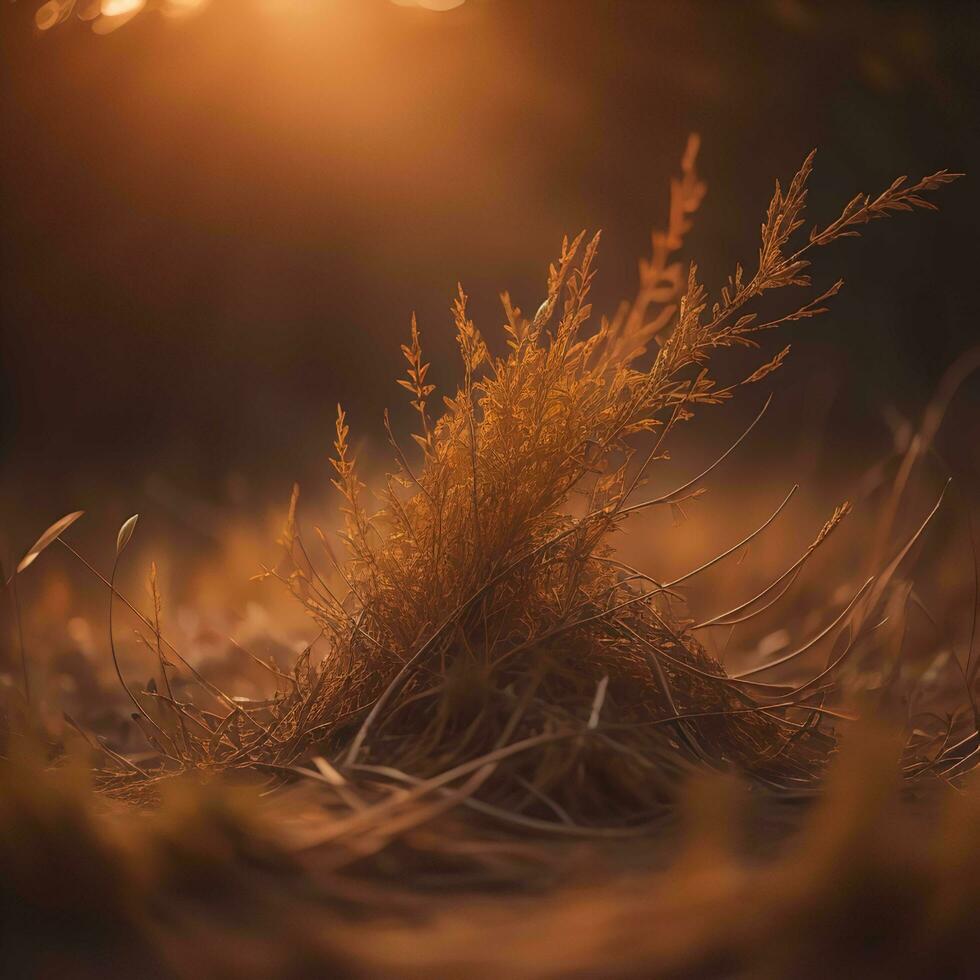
pixel 49 537
pixel 125 533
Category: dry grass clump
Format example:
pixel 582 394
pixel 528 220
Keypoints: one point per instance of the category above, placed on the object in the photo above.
pixel 483 643
pixel 485 662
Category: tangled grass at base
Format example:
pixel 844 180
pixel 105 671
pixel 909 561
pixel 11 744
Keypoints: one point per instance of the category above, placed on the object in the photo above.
pixel 481 643
pixel 212 886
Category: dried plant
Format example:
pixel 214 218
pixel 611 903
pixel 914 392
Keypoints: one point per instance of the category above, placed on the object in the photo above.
pixel 483 644
pixel 483 630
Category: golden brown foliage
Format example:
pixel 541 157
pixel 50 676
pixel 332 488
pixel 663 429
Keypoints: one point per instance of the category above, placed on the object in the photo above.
pixel 483 629
pixel 483 644
pixel 488 657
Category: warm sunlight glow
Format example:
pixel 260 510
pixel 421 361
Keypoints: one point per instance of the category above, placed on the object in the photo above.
pixel 430 4
pixel 118 8
pixel 109 15
pixel 182 8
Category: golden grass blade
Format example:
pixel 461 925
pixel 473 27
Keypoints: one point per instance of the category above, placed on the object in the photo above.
pixel 49 537
pixel 125 533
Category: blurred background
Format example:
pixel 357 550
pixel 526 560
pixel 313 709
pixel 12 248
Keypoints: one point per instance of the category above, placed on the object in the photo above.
pixel 216 226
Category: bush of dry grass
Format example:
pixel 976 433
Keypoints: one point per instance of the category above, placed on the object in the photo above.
pixel 483 643
pixel 485 658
